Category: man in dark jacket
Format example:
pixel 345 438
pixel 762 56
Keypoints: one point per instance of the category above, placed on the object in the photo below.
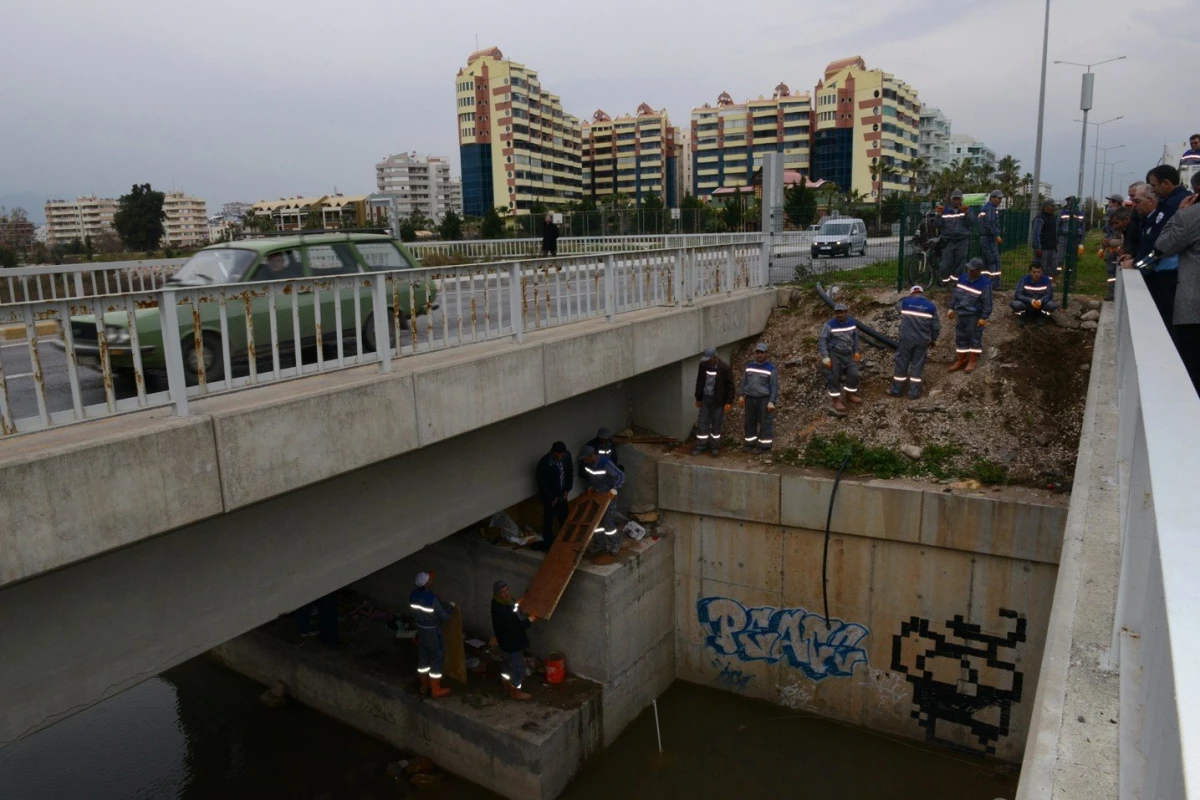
pixel 1044 240
pixel 714 397
pixel 555 477
pixel 509 626
pixel 550 237
pixel 604 445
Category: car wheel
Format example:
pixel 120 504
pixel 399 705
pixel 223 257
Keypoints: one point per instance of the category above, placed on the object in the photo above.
pixel 368 332
pixel 210 352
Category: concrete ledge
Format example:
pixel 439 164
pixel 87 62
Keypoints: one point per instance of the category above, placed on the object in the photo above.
pixel 598 355
pixel 1003 528
pixel 495 745
pixel 878 509
pixel 712 491
pixel 66 501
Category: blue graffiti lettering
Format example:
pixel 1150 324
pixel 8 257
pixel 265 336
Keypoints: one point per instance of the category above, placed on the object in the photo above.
pixel 775 634
pixel 728 676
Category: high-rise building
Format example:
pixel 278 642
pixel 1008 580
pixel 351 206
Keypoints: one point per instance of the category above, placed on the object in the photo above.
pixel 518 147
pixel 683 144
pixel 335 210
pixel 728 141
pixel 864 119
pixel 68 220
pixel 186 222
pixel 934 144
pixel 419 183
pixel 634 156
pixel 971 151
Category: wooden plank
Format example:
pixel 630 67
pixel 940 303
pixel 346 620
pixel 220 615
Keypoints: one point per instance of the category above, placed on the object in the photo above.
pixel 547 587
pixel 456 658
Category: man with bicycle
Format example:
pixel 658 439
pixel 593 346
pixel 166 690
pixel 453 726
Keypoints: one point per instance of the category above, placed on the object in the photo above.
pixel 955 227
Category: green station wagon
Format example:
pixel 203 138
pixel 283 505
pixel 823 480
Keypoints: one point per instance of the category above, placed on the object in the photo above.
pixel 253 261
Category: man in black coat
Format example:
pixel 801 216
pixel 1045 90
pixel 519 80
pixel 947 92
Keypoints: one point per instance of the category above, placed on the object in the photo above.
pixel 714 397
pixel 550 237
pixel 509 626
pixel 555 477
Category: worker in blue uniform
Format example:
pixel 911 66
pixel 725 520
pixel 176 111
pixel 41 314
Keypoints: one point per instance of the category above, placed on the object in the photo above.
pixel 602 475
pixel 429 612
pixel 759 394
pixel 840 355
pixel 970 307
pixel 1034 297
pixel 954 224
pixel 919 330
pixel 989 236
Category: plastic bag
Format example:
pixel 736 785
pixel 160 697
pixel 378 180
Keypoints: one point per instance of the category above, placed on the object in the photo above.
pixel 508 527
pixel 634 531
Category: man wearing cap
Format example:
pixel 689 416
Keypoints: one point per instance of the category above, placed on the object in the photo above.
pixel 970 305
pixel 919 330
pixel 509 626
pixel 955 226
pixel 1071 230
pixel 603 444
pixel 840 354
pixel 429 612
pixel 1118 222
pixel 602 475
pixel 989 236
pixel 555 477
pixel 759 394
pixel 1191 156
pixel 714 397
pixel 1034 297
pixel 1044 239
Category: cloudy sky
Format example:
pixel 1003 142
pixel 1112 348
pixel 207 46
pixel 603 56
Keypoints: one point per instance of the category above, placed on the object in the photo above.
pixel 266 98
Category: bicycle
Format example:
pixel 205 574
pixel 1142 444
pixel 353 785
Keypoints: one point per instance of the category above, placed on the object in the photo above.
pixel 927 254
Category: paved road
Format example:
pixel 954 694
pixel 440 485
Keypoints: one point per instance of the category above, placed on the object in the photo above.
pixel 787 258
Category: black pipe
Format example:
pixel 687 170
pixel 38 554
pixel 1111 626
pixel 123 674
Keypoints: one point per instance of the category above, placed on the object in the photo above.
pixel 828 521
pixel 887 341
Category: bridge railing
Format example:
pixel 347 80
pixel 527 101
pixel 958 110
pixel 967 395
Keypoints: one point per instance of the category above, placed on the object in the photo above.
pixel 1156 638
pixel 113 356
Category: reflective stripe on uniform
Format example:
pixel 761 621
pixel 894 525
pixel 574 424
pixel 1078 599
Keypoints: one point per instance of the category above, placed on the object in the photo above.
pixel 766 441
pixel 921 314
pixel 758 370
pixel 915 380
pixel 420 608
pixel 422 670
pixel 841 330
pixel 848 389
pixel 711 372
pixel 970 289
pixel 436 677
pixel 595 471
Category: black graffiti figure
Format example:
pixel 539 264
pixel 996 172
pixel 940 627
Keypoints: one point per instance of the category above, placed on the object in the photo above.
pixel 960 702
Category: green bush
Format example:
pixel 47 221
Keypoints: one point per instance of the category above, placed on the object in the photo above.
pixel 935 459
pixel 881 462
pixel 989 472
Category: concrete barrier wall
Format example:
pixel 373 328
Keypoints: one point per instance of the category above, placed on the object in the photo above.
pixel 88 489
pixel 615 623
pixel 938 602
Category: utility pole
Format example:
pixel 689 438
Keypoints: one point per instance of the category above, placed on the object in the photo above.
pixel 1035 190
pixel 1085 105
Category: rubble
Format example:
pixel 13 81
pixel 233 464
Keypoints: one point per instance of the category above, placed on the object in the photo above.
pixel 912 451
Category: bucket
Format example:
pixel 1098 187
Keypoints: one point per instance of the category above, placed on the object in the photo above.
pixel 556 668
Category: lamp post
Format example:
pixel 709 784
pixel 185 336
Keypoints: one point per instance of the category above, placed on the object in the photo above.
pixel 1085 105
pixel 1037 152
pixel 1098 168
pixel 1112 173
pixel 1119 180
pixel 1096 155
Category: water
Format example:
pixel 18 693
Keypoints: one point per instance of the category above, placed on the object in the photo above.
pixel 200 733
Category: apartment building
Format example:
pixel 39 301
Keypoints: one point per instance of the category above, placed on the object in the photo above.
pixel 683 144
pixel 419 184
pixel 864 119
pixel 518 146
pixel 971 151
pixel 934 142
pixel 634 156
pixel 68 220
pixel 186 222
pixel 336 211
pixel 728 141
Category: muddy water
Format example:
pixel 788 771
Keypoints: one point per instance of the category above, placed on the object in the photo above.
pixel 199 733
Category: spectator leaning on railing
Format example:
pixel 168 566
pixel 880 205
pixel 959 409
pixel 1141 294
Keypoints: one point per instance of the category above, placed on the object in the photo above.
pixel 1161 280
pixel 1181 237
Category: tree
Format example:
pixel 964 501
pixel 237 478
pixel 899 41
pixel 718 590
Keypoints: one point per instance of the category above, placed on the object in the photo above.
pixel 652 213
pixel 1008 173
pixel 314 219
pixel 139 218
pixel 731 213
pixel 450 227
pixel 408 232
pixel 918 170
pixel 880 172
pixel 8 257
pixel 493 224
pixel 799 205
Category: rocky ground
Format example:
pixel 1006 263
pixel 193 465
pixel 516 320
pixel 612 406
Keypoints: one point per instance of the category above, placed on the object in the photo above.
pixel 1016 419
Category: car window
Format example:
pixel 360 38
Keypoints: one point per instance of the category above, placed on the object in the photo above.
pixel 382 255
pixel 279 265
pixel 836 229
pixel 225 265
pixel 331 259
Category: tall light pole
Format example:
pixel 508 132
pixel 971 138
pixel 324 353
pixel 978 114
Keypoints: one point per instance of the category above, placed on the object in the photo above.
pixel 1034 190
pixel 1112 173
pixel 1085 105
pixel 1097 168
pixel 1097 148
pixel 1119 180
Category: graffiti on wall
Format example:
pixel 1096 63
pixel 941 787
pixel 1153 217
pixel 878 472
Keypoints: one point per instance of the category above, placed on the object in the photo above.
pixel 782 634
pixel 733 678
pixel 963 677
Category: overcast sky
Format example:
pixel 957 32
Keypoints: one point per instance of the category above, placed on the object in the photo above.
pixel 248 99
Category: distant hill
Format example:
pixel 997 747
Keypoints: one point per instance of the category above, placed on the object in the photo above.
pixel 34 203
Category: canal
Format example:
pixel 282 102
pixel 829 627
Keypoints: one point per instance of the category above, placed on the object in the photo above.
pixel 199 732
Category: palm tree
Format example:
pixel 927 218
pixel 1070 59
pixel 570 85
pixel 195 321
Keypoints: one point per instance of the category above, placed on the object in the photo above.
pixel 880 172
pixel 1008 173
pixel 918 170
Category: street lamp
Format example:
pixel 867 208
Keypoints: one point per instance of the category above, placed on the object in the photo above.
pixel 1037 152
pixel 1112 173
pixel 1085 105
pixel 1096 155
pixel 1098 166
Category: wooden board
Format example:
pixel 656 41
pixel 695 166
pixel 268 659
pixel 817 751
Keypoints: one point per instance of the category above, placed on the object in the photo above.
pixel 456 658
pixel 548 585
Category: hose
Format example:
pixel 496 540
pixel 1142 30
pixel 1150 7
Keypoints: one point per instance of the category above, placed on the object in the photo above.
pixel 866 330
pixel 828 521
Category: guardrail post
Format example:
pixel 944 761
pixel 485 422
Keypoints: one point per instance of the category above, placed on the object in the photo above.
pixel 379 312
pixel 727 278
pixel 764 261
pixel 677 278
pixel 516 296
pixel 168 320
pixel 610 286
pixel 78 284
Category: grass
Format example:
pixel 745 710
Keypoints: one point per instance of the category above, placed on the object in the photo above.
pixel 936 457
pixel 888 462
pixel 989 472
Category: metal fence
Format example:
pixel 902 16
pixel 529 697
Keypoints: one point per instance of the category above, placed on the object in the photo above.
pixel 142 349
pixel 1156 627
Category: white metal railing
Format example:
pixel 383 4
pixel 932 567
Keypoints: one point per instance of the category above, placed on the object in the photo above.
pixel 112 356
pixel 1156 638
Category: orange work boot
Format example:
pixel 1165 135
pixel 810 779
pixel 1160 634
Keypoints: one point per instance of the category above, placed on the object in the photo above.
pixel 853 397
pixel 424 683
pixel 971 363
pixel 517 694
pixel 435 688
pixel 838 405
pixel 959 363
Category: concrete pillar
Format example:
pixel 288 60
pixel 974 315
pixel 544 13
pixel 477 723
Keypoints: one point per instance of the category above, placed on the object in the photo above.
pixel 664 399
pixel 772 193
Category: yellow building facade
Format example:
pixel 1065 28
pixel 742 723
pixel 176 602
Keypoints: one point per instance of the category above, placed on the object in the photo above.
pixel 728 141
pixel 634 156
pixel 862 119
pixel 518 146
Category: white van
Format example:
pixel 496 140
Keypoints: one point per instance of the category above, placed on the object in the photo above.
pixel 840 236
